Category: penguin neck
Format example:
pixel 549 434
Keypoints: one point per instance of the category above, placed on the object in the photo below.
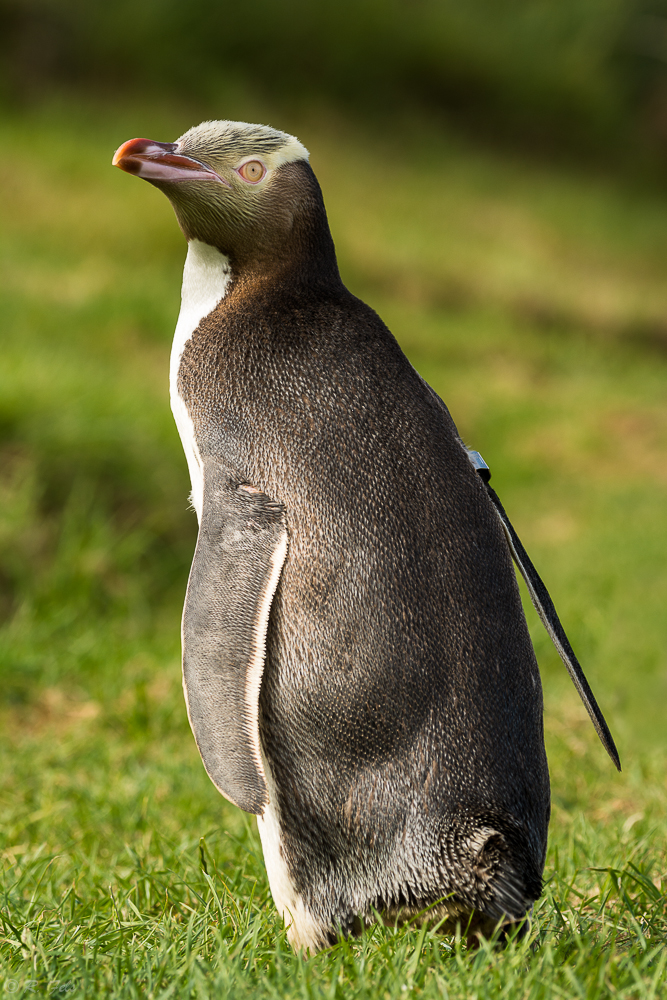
pixel 207 275
pixel 300 256
pixel 288 275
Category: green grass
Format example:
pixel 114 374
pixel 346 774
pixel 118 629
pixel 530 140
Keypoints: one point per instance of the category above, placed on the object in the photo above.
pixel 534 300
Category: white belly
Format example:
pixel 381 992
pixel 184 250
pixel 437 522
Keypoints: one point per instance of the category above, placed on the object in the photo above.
pixel 206 277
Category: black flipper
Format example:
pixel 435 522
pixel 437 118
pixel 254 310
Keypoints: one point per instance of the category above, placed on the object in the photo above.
pixel 542 602
pixel 240 553
pixel 544 606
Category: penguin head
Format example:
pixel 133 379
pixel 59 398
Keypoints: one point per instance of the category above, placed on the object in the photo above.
pixel 247 190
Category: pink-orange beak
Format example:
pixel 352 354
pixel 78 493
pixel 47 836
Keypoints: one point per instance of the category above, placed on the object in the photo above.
pixel 158 161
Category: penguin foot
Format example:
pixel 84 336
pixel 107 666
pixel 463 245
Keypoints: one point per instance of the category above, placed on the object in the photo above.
pixel 482 928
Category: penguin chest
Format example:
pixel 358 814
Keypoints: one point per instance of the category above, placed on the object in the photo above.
pixel 206 278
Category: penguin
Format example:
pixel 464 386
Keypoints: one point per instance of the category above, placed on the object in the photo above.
pixel 357 666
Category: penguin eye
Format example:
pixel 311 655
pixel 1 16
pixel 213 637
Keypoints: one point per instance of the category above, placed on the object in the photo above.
pixel 252 171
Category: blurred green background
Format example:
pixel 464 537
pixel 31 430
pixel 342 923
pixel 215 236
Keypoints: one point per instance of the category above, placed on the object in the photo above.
pixel 494 174
pixel 579 72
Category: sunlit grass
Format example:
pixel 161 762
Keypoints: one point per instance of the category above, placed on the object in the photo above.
pixel 124 873
pixel 529 298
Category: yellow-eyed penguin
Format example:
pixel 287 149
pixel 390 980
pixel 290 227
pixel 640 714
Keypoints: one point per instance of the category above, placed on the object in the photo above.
pixel 357 667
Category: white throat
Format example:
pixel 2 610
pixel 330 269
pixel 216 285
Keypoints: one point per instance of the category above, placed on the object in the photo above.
pixel 206 277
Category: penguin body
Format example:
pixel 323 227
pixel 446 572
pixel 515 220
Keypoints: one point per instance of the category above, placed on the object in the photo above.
pixel 357 665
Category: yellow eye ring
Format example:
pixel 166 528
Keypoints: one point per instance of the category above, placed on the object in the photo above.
pixel 252 171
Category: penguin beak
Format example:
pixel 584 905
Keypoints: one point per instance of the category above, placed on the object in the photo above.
pixel 158 161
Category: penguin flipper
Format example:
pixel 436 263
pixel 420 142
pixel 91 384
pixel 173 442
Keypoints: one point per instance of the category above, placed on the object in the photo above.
pixel 541 599
pixel 240 553
pixel 544 606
